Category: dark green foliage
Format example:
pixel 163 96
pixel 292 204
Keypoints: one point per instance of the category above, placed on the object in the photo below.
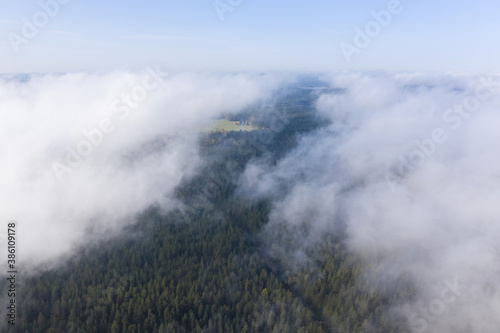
pixel 207 268
pixel 175 277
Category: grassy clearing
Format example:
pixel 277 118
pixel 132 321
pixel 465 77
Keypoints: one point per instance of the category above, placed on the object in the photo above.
pixel 228 126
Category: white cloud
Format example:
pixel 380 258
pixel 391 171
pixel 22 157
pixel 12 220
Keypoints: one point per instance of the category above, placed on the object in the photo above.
pixel 46 115
pixel 438 221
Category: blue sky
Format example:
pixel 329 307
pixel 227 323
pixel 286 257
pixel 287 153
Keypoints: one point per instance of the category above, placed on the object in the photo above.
pixel 297 35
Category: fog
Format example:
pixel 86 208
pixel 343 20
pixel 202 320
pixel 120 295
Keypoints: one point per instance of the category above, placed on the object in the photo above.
pixel 407 170
pixel 83 153
pixel 409 167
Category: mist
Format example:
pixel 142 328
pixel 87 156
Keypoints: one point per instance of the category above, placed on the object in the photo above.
pixel 408 169
pixel 405 170
pixel 84 152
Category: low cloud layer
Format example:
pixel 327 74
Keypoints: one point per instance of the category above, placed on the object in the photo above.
pixel 410 166
pixel 82 153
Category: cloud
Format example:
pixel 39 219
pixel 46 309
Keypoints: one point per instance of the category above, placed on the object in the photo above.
pixel 82 153
pixel 413 201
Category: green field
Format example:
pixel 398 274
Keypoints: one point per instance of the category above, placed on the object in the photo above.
pixel 226 125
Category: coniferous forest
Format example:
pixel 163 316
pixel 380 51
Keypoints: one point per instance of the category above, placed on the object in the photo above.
pixel 207 266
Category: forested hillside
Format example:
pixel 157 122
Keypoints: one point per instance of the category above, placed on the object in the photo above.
pixel 206 267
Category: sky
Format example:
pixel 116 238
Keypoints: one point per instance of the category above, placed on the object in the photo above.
pixel 247 35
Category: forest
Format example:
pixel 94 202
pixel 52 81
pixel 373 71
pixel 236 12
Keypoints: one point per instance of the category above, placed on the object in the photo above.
pixel 208 267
